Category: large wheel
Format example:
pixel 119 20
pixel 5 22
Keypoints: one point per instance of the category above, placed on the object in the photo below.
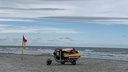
pixel 62 62
pixel 49 62
pixel 74 62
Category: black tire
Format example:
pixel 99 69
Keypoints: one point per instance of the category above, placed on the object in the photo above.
pixel 62 62
pixel 74 62
pixel 49 62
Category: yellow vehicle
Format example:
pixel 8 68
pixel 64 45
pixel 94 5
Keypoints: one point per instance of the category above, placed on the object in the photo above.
pixel 65 55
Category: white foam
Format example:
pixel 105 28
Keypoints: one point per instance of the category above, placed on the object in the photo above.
pixel 26 51
pixel 88 53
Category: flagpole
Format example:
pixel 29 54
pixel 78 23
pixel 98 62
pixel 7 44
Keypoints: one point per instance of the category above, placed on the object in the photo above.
pixel 22 57
pixel 23 47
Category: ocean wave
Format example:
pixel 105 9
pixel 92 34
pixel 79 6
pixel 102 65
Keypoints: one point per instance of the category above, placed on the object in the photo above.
pixel 113 54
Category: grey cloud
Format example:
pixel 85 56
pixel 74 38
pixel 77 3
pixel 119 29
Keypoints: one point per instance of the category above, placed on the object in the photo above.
pixel 124 36
pixel 87 18
pixel 3 13
pixel 67 9
pixel 16 40
pixel 53 40
pixel 92 19
pixel 3 40
pixel 35 40
pixel 68 38
pixel 31 9
pixel 61 0
pixel 62 39
pixel 10 40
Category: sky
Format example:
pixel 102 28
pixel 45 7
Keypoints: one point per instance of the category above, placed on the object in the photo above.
pixel 82 23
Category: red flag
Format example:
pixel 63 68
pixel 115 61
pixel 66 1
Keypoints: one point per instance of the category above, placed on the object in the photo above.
pixel 24 39
pixel 23 45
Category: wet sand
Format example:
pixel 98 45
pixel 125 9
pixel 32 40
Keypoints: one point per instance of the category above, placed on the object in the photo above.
pixel 37 63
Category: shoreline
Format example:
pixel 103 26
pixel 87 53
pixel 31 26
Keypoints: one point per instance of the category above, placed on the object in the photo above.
pixel 50 55
pixel 37 63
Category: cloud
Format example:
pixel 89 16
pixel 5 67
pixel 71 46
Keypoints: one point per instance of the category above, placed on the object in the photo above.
pixel 16 31
pixel 19 20
pixel 33 9
pixel 23 29
pixel 88 18
pixel 104 20
pixel 110 11
pixel 67 38
pixel 58 30
pixel 62 39
pixel 36 40
pixel 3 40
pixel 58 0
pixel 10 41
pixel 30 9
pixel 4 25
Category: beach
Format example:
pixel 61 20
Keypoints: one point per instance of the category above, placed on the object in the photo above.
pixel 37 63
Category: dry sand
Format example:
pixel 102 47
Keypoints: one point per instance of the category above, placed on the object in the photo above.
pixel 33 63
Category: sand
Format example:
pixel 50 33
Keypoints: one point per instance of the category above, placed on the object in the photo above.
pixel 37 63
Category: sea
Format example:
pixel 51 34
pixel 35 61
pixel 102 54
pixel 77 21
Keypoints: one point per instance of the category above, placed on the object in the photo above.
pixel 86 52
